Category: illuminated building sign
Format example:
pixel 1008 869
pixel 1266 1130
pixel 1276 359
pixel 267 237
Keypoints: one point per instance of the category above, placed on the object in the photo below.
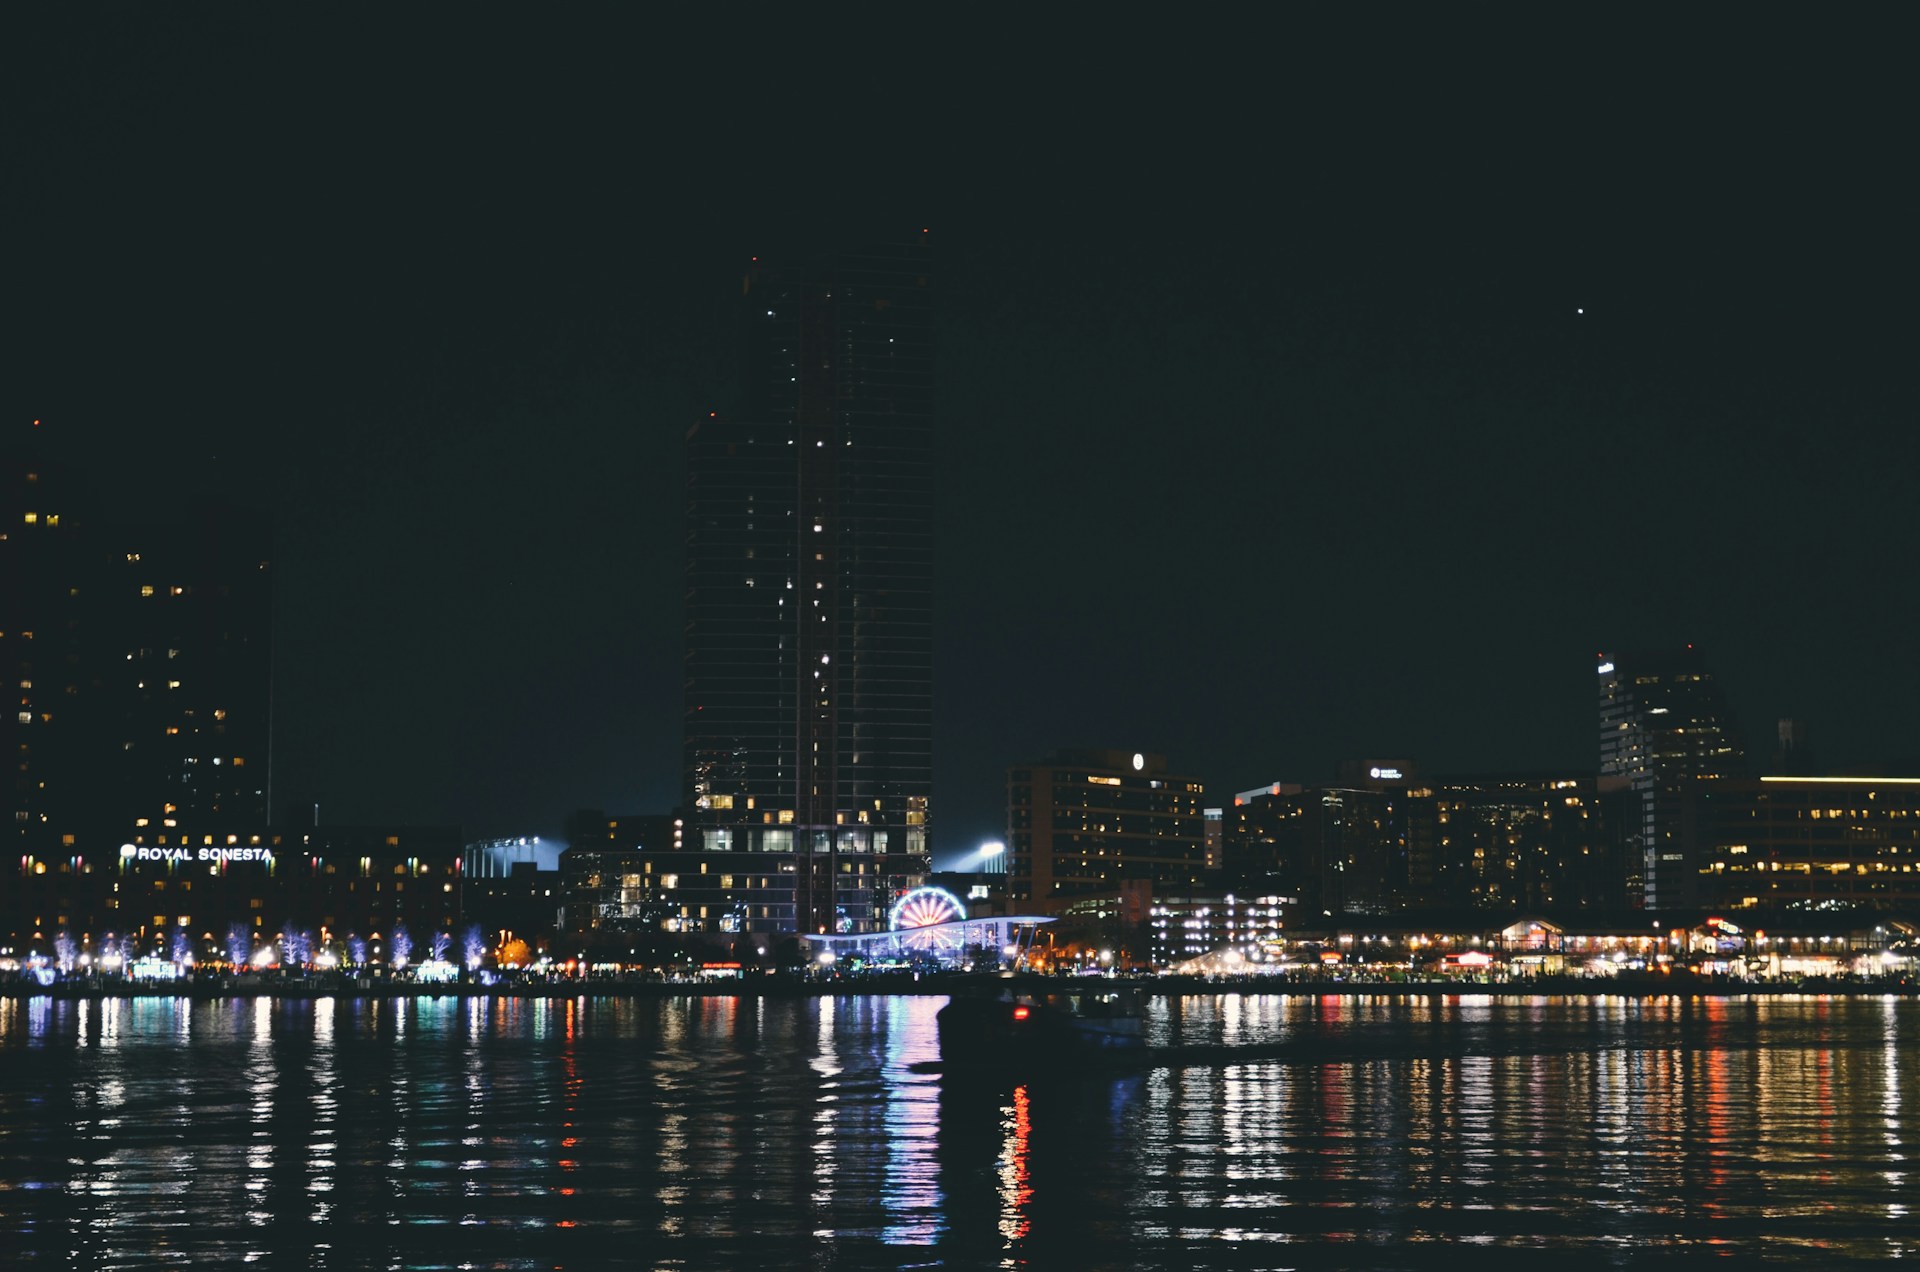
pixel 131 852
pixel 1605 668
pixel 1390 774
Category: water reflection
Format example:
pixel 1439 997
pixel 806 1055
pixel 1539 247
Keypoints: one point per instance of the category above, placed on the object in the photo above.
pixel 582 1133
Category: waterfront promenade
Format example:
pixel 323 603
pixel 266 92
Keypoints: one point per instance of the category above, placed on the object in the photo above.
pixel 796 986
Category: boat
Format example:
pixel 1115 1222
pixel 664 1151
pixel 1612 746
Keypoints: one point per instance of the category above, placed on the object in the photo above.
pixel 1026 1026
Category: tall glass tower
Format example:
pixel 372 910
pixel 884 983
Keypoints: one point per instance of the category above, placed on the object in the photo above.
pixel 809 605
pixel 1663 726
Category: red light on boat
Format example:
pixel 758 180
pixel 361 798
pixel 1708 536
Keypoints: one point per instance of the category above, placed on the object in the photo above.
pixel 1021 1013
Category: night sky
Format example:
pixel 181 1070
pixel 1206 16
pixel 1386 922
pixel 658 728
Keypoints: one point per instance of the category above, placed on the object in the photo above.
pixel 1305 392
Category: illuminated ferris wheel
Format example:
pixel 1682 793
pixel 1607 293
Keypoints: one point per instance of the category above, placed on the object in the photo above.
pixel 928 908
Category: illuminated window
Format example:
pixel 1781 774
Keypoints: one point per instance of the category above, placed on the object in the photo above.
pixel 146 589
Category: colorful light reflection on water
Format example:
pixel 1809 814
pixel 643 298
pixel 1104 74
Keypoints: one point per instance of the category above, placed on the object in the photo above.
pixel 724 1133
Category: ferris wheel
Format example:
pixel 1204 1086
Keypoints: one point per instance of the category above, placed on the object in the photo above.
pixel 928 908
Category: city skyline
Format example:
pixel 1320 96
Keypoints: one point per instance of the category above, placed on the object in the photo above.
pixel 1273 440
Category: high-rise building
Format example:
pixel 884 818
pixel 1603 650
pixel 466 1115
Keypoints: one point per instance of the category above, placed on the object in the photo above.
pixel 1081 822
pixel 186 669
pixel 140 652
pixel 43 635
pixel 809 601
pixel 1663 726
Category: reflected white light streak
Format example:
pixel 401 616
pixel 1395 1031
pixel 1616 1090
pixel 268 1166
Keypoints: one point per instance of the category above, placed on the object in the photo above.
pixel 911 1194
pixel 266 1085
pixel 826 1064
pixel 323 1069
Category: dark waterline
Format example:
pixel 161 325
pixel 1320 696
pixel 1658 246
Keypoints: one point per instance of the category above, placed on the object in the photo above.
pixel 731 1132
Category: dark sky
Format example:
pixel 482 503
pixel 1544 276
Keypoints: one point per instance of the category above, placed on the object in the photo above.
pixel 1273 429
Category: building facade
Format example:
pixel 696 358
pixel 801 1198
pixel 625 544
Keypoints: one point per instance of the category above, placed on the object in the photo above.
pixel 140 653
pixel 1226 929
pixel 809 620
pixel 195 886
pixel 1386 839
pixel 1340 847
pixel 1525 841
pixel 1080 822
pixel 1786 844
pixel 1664 725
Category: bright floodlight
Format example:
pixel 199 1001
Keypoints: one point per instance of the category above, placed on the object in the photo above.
pixel 992 848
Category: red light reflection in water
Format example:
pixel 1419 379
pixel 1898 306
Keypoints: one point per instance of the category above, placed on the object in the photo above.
pixel 1719 1129
pixel 1016 1186
pixel 570 1105
pixel 1336 1118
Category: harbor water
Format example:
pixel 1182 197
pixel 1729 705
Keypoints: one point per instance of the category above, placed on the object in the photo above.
pixel 720 1132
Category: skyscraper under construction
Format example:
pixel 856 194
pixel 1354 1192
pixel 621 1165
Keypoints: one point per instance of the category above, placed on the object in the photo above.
pixel 809 602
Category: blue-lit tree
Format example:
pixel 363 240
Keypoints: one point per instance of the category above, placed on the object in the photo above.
pixel 474 946
pixel 356 950
pixel 401 945
pixel 437 950
pixel 180 948
pixel 65 953
pixel 296 946
pixel 239 945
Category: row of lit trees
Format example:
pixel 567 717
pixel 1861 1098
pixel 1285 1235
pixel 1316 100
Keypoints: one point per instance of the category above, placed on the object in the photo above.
pixel 291 949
